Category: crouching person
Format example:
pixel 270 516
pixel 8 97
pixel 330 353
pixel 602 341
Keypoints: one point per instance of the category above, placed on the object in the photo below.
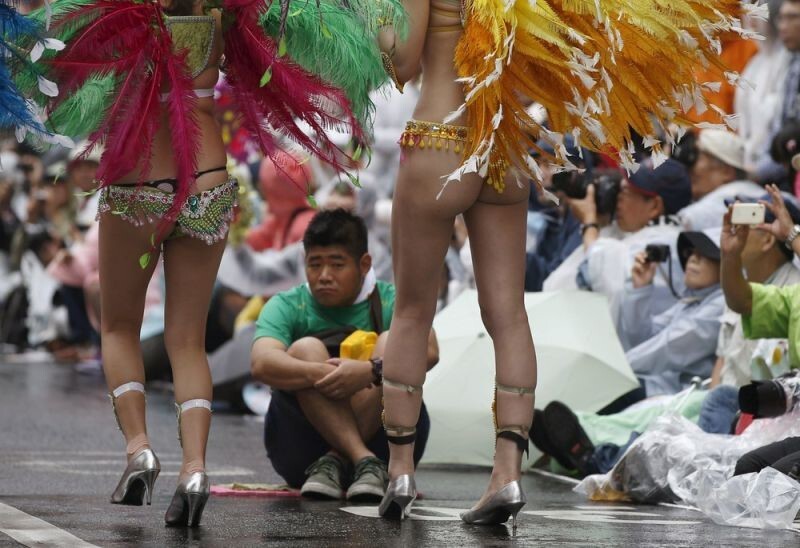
pixel 323 428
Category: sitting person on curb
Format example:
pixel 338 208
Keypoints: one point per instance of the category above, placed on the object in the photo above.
pixel 591 443
pixel 767 312
pixel 325 412
pixel 672 347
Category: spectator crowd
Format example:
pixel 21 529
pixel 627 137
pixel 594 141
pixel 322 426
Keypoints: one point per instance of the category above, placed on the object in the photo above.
pixel 695 298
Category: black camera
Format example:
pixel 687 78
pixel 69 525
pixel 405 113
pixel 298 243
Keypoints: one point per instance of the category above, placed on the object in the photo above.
pixel 685 151
pixel 657 253
pixel 765 399
pixel 606 183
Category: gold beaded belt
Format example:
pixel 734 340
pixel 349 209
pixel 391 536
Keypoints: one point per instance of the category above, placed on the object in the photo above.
pixel 439 136
pixel 431 135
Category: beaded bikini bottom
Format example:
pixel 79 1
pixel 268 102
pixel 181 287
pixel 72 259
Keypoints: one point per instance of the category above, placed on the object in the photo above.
pixel 205 216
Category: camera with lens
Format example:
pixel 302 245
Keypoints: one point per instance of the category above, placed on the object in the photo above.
pixel 685 151
pixel 606 183
pixel 657 253
pixel 773 398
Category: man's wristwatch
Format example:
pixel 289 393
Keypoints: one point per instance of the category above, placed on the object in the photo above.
pixel 587 226
pixel 377 371
pixel 793 234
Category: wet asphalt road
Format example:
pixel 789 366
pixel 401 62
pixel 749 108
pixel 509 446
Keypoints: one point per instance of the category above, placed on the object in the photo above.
pixel 61 455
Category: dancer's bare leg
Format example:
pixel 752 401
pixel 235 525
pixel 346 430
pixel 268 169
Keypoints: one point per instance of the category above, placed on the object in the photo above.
pixel 422 227
pixel 497 238
pixel 190 270
pixel 123 288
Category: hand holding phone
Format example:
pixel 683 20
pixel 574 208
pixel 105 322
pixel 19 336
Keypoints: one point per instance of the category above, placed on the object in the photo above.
pixel 747 214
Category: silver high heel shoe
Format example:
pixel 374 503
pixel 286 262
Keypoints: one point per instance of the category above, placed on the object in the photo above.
pixel 400 494
pixel 507 502
pixel 189 500
pixel 136 484
pixel 401 491
pixel 192 492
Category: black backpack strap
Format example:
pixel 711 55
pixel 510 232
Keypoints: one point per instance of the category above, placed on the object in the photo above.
pixel 376 310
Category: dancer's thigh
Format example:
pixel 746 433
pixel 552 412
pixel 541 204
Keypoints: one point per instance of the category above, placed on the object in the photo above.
pixel 497 236
pixel 190 270
pixel 123 283
pixel 422 226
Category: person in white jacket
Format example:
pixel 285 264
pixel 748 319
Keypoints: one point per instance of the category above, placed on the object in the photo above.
pixel 646 208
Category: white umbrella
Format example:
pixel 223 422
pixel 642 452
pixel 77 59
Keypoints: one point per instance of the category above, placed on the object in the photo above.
pixel 580 362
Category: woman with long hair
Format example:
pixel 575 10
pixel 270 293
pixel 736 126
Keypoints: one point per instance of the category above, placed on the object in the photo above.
pixel 600 68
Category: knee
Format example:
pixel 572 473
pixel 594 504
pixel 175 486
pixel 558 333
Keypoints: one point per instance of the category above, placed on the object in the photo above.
pixel 308 349
pixel 179 339
pixel 120 325
pixel 496 318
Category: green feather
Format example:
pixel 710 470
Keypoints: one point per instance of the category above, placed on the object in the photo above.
pixel 81 113
pixel 27 81
pixel 339 44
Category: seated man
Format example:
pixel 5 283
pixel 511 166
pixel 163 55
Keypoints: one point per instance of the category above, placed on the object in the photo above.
pixel 767 312
pixel 325 412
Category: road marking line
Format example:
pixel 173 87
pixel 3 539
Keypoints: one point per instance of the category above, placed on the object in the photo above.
pixel 31 531
pixel 565 479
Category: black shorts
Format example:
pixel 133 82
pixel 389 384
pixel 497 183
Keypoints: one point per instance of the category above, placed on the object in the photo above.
pixel 293 444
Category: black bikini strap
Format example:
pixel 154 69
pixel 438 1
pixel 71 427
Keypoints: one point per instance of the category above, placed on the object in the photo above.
pixel 212 170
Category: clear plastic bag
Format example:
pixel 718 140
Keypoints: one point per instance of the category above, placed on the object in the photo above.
pixel 673 460
pixel 765 500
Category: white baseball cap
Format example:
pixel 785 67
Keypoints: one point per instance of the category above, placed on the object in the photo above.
pixel 722 145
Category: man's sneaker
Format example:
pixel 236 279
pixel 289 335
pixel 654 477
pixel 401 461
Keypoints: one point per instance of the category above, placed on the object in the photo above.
pixel 324 479
pixel 369 481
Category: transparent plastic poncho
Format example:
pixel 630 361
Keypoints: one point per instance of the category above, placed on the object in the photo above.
pixel 675 461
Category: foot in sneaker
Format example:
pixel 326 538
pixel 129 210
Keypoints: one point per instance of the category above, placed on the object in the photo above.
pixel 369 481
pixel 325 477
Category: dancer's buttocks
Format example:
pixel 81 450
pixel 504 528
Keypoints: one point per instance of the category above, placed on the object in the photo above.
pixel 206 215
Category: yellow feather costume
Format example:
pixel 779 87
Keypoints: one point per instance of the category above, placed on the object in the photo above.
pixel 601 68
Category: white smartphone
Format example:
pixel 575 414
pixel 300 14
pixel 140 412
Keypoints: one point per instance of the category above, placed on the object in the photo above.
pixel 748 214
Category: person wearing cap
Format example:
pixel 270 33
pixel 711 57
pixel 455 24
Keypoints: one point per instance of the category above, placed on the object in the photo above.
pixel 765 260
pixel 646 206
pixel 673 347
pixel 717 174
pixel 767 311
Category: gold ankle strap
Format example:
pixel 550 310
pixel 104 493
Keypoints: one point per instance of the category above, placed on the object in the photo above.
pixel 410 388
pixel 400 435
pixel 186 406
pixel 521 390
pixel 518 429
pixel 119 391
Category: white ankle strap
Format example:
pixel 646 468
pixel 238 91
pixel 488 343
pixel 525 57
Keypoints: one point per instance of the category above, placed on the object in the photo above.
pixel 193 404
pixel 127 387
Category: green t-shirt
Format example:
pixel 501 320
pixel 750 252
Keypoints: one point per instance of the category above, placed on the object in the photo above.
pixel 294 314
pixel 775 316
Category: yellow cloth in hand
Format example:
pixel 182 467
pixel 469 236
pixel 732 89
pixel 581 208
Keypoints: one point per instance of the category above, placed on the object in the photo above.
pixel 359 345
